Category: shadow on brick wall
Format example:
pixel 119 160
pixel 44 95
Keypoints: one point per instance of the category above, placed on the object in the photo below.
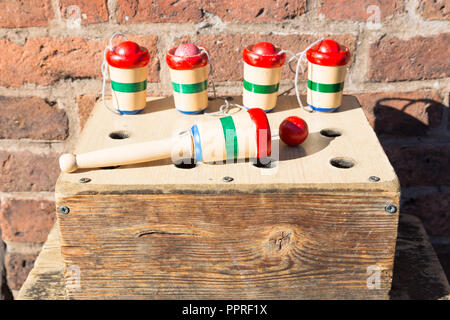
pixel 5 292
pixel 397 122
pixel 411 134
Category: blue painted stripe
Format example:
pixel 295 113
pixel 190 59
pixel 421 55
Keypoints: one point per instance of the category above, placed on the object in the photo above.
pixel 323 109
pixel 266 111
pixel 129 112
pixel 197 143
pixel 192 112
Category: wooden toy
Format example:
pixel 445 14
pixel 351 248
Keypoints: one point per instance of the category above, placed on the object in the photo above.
pixel 327 67
pixel 293 130
pixel 262 73
pixel 317 223
pixel 241 136
pixel 189 68
pixel 128 69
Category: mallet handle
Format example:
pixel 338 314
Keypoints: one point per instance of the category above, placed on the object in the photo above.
pixel 128 154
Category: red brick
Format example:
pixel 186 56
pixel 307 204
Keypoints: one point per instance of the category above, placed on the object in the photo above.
pixel 93 11
pixel 18 266
pixel 159 11
pixel 263 10
pixel 195 10
pixel 23 118
pixel 402 113
pixel 46 60
pixel 30 13
pixel 433 210
pixel 418 58
pixel 420 165
pixel 435 9
pixel 85 105
pixel 358 11
pixel 226 50
pixel 26 220
pixel 25 171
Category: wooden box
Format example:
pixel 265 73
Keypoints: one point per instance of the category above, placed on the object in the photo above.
pixel 320 222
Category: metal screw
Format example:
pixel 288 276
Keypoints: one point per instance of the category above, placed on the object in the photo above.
pixel 227 179
pixel 391 208
pixel 85 180
pixel 63 210
pixel 374 179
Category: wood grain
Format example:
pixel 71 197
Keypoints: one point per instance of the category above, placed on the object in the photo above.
pixel 46 279
pixel 281 246
pixel 417 271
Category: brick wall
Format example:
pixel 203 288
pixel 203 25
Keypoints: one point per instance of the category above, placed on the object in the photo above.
pixel 50 78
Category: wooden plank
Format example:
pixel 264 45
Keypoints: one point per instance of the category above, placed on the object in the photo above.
pixel 417 271
pixel 418 275
pixel 304 167
pixel 282 246
pixel 46 279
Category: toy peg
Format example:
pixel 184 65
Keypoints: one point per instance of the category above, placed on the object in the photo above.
pixel 128 69
pixel 189 68
pixel 240 136
pixel 327 68
pixel 262 73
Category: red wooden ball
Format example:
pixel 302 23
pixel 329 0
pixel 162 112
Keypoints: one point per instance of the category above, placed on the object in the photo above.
pixel 187 50
pixel 128 48
pixel 264 48
pixel 329 46
pixel 293 130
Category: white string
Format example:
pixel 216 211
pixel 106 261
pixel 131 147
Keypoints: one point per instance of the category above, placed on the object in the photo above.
pixel 224 108
pixel 301 58
pixel 104 69
pixel 211 71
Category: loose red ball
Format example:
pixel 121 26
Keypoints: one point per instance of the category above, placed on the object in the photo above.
pixel 293 130
pixel 187 50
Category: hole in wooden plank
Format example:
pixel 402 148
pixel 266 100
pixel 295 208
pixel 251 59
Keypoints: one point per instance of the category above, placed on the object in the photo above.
pixel 119 135
pixel 265 163
pixel 330 133
pixel 342 163
pixel 185 163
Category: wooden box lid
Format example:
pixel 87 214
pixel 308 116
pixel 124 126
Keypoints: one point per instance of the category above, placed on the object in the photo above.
pixel 306 167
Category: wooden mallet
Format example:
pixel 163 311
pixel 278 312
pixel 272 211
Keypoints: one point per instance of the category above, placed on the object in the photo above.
pixel 245 135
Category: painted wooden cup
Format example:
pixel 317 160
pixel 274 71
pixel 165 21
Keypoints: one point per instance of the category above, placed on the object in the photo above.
pixel 245 135
pixel 189 75
pixel 128 69
pixel 327 68
pixel 262 73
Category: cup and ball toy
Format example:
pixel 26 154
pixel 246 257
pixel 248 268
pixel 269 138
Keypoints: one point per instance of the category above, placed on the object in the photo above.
pixel 262 73
pixel 327 67
pixel 189 69
pixel 245 135
pixel 128 69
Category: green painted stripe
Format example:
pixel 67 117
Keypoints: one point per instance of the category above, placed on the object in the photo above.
pixel 129 87
pixel 259 88
pixel 190 88
pixel 326 88
pixel 229 132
